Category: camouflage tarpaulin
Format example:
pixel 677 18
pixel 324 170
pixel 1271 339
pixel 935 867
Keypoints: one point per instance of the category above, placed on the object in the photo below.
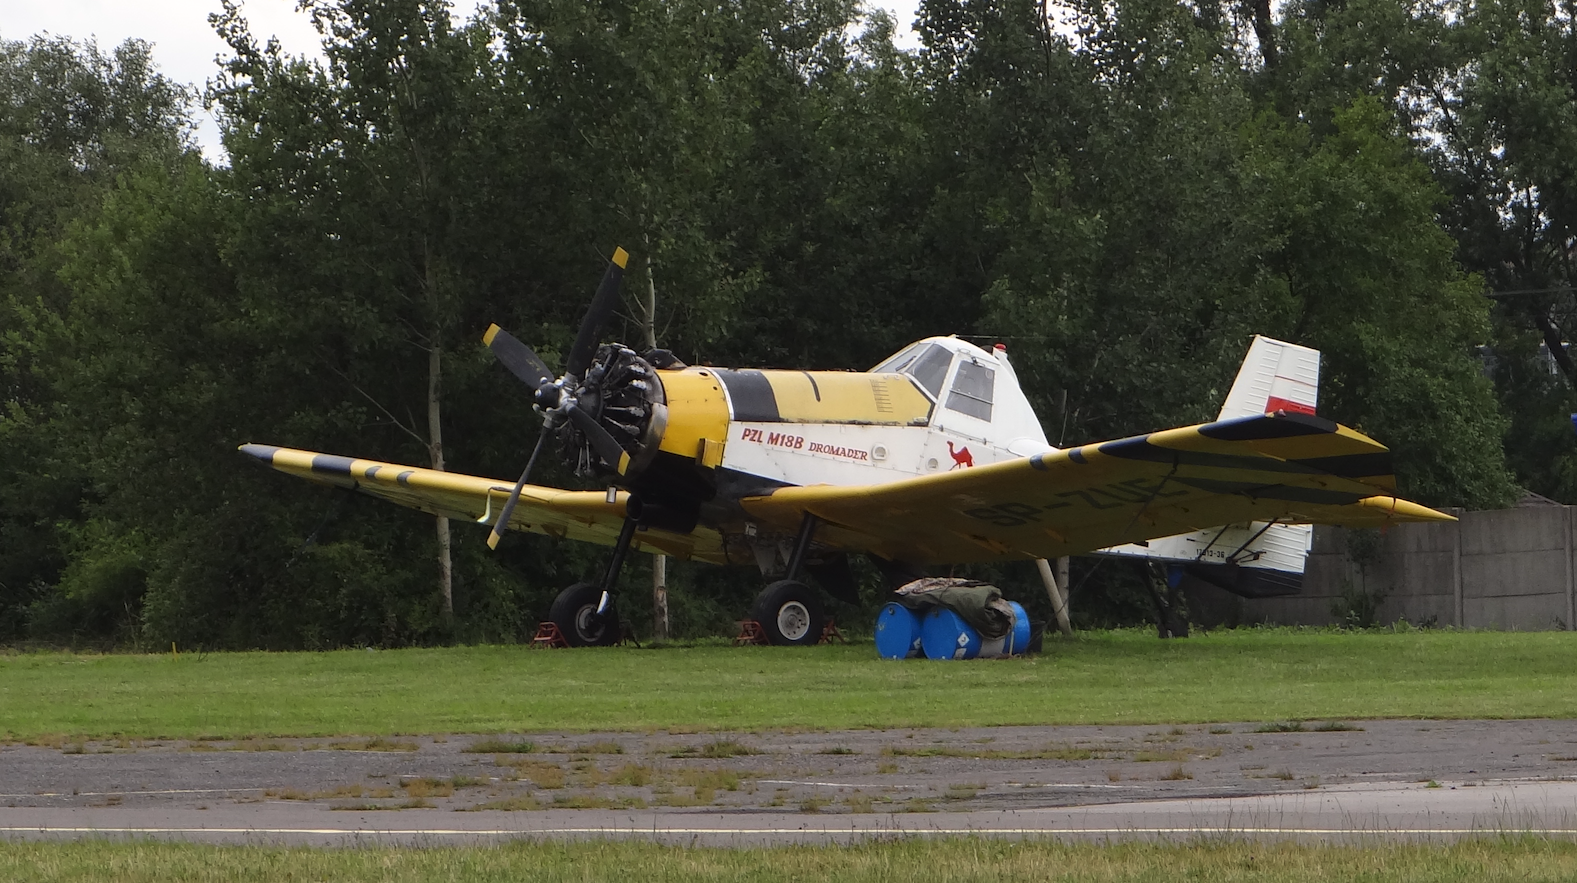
pixel 979 604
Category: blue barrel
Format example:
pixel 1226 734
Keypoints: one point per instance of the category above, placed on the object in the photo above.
pixel 945 635
pixel 1017 640
pixel 897 632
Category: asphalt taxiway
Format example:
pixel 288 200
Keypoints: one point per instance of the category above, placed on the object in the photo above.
pixel 1347 780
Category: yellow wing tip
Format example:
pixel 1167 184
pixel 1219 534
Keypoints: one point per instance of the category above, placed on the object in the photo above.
pixel 621 257
pixel 492 539
pixel 492 332
pixel 1398 509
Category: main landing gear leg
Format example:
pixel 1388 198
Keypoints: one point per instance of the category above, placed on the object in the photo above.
pixel 789 611
pixel 1169 620
pixel 584 612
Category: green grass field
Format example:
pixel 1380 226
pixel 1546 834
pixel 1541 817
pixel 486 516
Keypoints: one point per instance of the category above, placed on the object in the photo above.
pixel 1109 677
pixel 1490 859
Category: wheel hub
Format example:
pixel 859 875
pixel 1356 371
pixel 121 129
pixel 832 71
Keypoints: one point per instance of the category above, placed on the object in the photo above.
pixel 793 621
pixel 588 624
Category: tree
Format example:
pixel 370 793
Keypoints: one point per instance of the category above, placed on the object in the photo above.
pixel 73 119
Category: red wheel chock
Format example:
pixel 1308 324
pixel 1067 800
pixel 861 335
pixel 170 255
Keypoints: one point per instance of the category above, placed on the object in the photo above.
pixel 831 633
pixel 751 632
pixel 548 637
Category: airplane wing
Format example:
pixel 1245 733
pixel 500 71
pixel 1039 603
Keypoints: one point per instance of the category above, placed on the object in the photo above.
pixel 1293 467
pixel 578 515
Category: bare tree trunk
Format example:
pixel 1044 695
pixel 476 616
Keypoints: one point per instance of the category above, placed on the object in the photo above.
pixel 1062 580
pixel 1552 340
pixel 435 433
pixel 1265 32
pixel 659 597
pixel 435 453
pixel 650 307
pixel 659 560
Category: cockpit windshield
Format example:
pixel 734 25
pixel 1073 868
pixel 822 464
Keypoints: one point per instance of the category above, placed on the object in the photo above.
pixel 930 368
pixel 900 361
pixel 925 362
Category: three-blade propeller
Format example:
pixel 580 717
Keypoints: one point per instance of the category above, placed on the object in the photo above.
pixel 558 398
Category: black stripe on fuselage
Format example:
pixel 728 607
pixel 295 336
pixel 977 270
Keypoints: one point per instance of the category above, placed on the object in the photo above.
pixel 750 395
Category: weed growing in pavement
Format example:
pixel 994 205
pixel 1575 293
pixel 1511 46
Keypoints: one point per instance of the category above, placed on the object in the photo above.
pixel 499 746
pixel 813 803
pixel 541 773
pixel 376 743
pixel 1050 752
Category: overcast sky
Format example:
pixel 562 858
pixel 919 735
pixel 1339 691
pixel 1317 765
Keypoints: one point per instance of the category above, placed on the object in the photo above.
pixel 185 46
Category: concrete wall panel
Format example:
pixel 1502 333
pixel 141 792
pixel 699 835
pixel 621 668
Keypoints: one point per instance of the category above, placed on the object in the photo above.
pixel 1437 537
pixel 1511 530
pixel 1512 567
pixel 1524 612
pixel 1514 573
pixel 1419 575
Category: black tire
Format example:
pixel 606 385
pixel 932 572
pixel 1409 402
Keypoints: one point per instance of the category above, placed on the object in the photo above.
pixel 790 613
pixel 574 611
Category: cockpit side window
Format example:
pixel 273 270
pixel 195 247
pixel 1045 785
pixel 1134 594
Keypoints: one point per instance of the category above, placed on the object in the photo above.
pixel 931 369
pixel 972 390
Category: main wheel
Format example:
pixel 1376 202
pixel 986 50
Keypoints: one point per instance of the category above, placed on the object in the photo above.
pixel 790 613
pixel 574 611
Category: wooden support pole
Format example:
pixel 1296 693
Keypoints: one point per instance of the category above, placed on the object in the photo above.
pixel 1055 594
pixel 660 597
pixel 1061 569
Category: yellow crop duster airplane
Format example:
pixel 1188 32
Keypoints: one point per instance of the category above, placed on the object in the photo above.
pixel 933 457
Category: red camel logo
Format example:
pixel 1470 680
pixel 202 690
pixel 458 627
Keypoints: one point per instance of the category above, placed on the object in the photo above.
pixel 961 457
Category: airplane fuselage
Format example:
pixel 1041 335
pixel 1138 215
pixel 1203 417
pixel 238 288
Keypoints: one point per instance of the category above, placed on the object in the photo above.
pixel 941 404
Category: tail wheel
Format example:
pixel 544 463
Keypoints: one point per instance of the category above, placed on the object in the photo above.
pixel 574 611
pixel 790 613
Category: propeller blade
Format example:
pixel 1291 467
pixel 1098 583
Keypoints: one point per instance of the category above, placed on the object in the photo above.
pixel 517 357
pixel 601 310
pixel 607 448
pixel 502 524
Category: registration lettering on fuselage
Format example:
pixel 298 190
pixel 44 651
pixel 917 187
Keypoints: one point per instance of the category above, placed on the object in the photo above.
pixel 793 442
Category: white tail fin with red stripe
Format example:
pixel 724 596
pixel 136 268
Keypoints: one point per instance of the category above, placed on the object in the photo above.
pixel 1276 376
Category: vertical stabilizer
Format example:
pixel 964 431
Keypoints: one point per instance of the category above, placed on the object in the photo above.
pixel 1276 376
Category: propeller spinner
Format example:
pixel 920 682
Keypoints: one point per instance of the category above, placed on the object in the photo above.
pixel 607 409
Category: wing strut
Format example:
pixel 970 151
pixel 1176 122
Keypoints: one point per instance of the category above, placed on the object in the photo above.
pixel 1248 542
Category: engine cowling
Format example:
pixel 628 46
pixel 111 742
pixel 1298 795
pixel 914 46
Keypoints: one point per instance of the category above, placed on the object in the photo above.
pixel 623 392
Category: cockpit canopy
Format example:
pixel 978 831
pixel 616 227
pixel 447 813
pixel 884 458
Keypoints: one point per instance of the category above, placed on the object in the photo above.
pixel 974 385
pixel 969 383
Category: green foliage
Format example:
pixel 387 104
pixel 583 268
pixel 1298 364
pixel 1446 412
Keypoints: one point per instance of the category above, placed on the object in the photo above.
pixel 1124 204
pixel 1358 606
pixel 73 122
